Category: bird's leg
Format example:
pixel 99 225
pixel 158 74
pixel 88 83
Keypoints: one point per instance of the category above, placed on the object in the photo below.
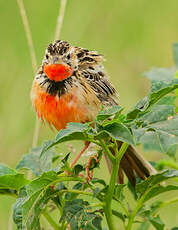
pixel 87 143
pixel 87 170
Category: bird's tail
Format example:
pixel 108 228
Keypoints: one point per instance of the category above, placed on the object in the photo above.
pixel 132 163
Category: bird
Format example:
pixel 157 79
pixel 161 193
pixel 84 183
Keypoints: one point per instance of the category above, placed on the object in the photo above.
pixel 71 85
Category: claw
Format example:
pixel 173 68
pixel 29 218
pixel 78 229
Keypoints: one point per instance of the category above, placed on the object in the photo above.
pixel 89 175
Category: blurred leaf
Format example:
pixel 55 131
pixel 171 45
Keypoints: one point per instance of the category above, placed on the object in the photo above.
pixel 157 223
pixel 33 207
pixel 118 191
pixel 96 191
pixel 32 200
pixel 106 113
pixel 175 53
pixel 160 165
pixel 158 190
pixel 37 164
pixel 158 90
pixel 10 192
pixel 167 100
pixel 132 190
pixel 160 74
pixel 119 215
pixel 78 215
pixel 10 179
pixel 155 179
pixel 17 210
pixel 5 170
pixel 158 113
pixel 144 226
pixel 159 135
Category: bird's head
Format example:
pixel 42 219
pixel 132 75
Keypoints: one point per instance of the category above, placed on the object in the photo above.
pixel 61 60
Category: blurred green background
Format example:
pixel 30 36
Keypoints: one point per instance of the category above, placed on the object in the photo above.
pixel 133 36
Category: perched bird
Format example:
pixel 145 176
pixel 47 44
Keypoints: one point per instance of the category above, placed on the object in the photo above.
pixel 71 86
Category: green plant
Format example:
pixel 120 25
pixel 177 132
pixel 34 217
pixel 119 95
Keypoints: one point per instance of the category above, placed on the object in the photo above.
pixel 152 122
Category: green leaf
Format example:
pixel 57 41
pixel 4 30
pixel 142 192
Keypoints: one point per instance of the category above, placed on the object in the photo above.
pixel 158 113
pixel 42 182
pixel 74 131
pixel 97 180
pixel 96 191
pixel 106 113
pixel 34 199
pixel 144 226
pixel 160 165
pixel 118 131
pixel 17 210
pixel 157 223
pixel 158 90
pixel 37 164
pixel 77 169
pixel 155 191
pixel 5 170
pixel 10 192
pixel 159 135
pixel 118 191
pixel 10 179
pixel 155 179
pixel 33 207
pixel 79 215
pixel 167 100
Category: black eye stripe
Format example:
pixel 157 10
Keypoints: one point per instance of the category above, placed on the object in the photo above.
pixel 47 56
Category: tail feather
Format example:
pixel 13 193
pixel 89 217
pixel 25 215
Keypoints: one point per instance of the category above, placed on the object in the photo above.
pixel 131 163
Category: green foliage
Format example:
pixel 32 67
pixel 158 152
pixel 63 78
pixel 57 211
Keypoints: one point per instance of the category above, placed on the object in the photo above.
pixel 83 204
pixel 38 164
pixel 79 215
pixel 10 179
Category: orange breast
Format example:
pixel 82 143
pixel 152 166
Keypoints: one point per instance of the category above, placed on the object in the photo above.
pixel 58 111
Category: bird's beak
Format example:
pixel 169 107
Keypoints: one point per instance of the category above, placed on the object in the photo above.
pixel 55 60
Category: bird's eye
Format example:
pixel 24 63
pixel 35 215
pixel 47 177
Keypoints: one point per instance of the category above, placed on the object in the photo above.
pixel 47 56
pixel 68 56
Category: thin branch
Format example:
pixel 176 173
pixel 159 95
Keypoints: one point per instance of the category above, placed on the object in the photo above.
pixel 32 50
pixel 28 34
pixel 33 59
pixel 10 222
pixel 36 132
pixel 60 19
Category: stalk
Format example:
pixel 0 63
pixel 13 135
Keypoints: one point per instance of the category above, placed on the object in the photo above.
pixel 113 178
pixel 50 220
pixel 137 208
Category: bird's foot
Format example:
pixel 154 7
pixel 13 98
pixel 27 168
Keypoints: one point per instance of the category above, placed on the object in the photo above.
pixel 89 175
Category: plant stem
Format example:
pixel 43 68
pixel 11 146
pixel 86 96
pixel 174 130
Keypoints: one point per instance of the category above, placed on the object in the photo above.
pixel 77 192
pixel 60 18
pixel 110 192
pixel 50 220
pixel 107 151
pixel 138 206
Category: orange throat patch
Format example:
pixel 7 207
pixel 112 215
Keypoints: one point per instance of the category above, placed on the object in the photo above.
pixel 57 111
